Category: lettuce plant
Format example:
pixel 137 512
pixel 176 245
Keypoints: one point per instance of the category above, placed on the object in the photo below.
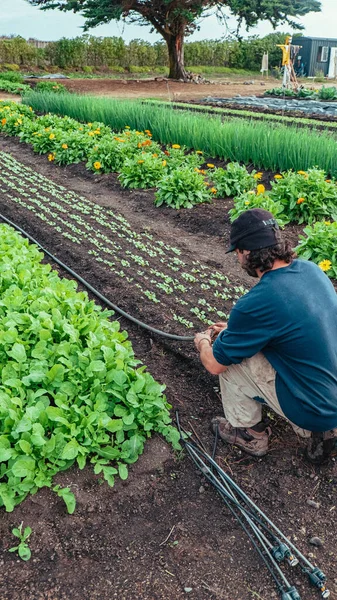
pixel 71 390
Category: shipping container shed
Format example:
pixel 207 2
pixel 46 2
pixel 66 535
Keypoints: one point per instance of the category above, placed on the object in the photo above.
pixel 318 55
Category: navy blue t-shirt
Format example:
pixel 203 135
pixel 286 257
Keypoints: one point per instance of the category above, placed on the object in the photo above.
pixel 290 316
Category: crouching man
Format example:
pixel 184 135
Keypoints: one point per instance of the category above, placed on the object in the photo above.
pixel 279 347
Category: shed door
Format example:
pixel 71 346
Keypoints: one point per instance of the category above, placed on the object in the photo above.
pixel 332 74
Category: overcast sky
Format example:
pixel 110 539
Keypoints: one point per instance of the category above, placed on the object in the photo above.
pixel 20 18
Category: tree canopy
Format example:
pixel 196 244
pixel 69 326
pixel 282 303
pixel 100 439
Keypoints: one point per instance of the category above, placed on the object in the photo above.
pixel 175 19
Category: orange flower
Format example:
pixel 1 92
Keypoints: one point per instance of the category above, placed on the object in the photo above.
pixel 300 200
pixel 328 180
pixel 3 121
pixel 146 143
pixel 51 157
pixel 167 153
pixel 64 146
pixel 155 155
pixel 213 190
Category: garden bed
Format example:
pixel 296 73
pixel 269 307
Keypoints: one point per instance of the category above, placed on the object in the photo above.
pixel 114 546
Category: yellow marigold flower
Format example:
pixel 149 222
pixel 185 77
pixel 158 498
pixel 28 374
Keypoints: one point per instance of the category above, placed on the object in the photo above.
pixel 97 165
pixel 140 162
pixel 210 165
pixel 164 163
pixel 278 176
pixel 300 200
pixel 301 172
pixel 51 157
pixel 35 132
pixel 199 152
pixel 91 133
pixel 147 131
pixel 258 175
pixel 328 180
pixel 327 222
pixel 260 189
pixel 80 129
pixel 206 183
pixel 30 108
pixel 3 121
pixel 47 128
pixel 52 135
pixel 97 131
pixel 147 143
pixel 247 202
pixel 89 124
pixel 138 133
pixel 213 190
pixel 175 146
pixel 19 121
pixel 325 265
pixel 127 126
pixel 155 155
pixel 139 145
pixel 64 146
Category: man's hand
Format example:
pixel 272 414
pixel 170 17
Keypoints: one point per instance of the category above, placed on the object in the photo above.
pixel 215 329
pixel 198 340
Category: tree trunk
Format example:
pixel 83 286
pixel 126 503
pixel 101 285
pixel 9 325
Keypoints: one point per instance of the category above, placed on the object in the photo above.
pixel 175 45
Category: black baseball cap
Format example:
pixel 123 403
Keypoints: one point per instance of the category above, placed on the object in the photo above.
pixel 254 229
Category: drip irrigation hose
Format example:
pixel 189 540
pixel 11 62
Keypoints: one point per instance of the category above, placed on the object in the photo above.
pixel 253 515
pixel 170 336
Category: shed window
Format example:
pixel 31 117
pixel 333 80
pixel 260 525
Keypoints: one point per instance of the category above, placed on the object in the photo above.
pixel 323 54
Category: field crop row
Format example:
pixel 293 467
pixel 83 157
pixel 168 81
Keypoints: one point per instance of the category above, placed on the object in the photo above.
pixel 267 146
pixel 190 295
pixel 70 386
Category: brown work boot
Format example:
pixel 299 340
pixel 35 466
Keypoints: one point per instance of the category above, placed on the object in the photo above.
pixel 321 446
pixel 251 441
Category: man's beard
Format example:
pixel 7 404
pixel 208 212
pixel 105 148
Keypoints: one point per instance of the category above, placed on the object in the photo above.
pixel 246 267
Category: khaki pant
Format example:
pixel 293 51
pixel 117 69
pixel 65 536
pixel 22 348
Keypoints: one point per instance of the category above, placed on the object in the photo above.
pixel 240 384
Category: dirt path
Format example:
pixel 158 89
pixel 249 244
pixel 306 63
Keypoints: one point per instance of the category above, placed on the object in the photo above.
pixel 114 544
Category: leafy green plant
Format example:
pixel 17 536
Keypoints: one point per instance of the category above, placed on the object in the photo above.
pixel 142 171
pixel 72 391
pixel 233 181
pixel 13 87
pixel 178 158
pixel 307 196
pixel 328 93
pixel 182 188
pixel 319 244
pixel 51 87
pixel 252 200
pixel 12 76
pixel 22 548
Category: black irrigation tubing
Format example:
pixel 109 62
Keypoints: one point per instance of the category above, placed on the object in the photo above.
pixel 170 336
pixel 253 515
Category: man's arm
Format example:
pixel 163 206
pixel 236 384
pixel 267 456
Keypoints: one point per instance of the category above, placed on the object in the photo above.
pixel 203 344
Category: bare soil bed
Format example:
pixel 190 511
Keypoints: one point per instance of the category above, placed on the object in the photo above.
pixel 116 544
pixel 165 89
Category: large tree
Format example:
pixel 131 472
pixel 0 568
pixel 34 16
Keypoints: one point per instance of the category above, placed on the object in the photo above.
pixel 175 19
